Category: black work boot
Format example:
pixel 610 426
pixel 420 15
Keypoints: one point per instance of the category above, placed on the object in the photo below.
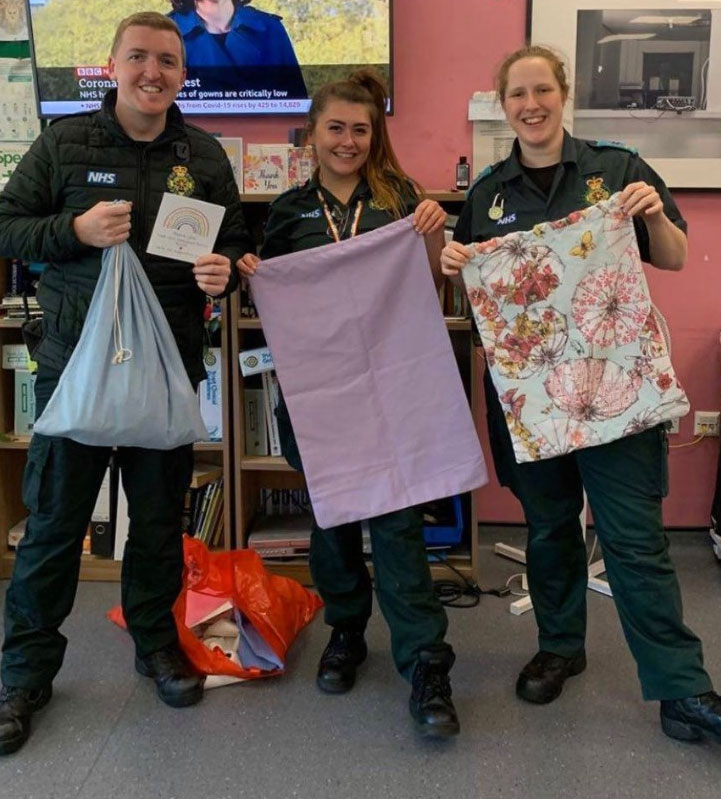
pixel 346 650
pixel 541 679
pixel 17 706
pixel 694 718
pixel 178 684
pixel 430 703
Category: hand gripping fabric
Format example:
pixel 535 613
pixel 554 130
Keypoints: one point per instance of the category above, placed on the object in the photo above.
pixel 125 384
pixel 574 346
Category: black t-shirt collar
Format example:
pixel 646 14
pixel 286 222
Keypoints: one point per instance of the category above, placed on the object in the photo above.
pixel 513 168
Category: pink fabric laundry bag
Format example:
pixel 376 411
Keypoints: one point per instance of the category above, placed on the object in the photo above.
pixel 369 376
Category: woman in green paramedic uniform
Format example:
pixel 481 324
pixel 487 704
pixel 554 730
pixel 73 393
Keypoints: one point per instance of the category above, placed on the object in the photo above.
pixel 548 175
pixel 359 186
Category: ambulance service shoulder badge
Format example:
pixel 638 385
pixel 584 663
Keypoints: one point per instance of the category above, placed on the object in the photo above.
pixel 180 181
pixel 596 191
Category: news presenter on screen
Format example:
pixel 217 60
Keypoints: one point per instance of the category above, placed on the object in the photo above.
pixel 55 208
pixel 359 186
pixel 548 175
pixel 232 46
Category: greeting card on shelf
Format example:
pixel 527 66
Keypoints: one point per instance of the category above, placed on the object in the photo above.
pixel 301 164
pixel 234 150
pixel 265 169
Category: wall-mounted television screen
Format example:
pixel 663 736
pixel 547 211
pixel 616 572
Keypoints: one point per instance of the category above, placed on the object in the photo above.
pixel 243 56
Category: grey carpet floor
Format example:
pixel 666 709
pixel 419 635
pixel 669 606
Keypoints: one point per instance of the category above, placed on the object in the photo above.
pixel 105 734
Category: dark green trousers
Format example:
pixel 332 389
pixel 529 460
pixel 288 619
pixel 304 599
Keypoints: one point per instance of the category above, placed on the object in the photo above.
pixel 60 485
pixel 416 618
pixel 625 482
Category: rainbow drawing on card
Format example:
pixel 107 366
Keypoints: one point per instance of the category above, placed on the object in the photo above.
pixel 190 218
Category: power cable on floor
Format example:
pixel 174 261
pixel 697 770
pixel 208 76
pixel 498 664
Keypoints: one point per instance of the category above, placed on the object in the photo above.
pixel 467 593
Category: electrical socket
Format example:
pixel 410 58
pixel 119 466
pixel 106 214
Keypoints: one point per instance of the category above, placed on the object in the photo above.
pixel 673 426
pixel 706 423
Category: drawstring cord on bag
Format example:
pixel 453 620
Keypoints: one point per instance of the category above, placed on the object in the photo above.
pixel 121 354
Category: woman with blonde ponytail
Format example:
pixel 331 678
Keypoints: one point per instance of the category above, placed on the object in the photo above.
pixel 359 186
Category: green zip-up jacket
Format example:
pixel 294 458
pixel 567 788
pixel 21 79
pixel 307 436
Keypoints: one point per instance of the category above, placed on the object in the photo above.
pixel 83 159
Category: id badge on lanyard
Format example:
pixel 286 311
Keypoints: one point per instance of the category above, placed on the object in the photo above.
pixel 331 222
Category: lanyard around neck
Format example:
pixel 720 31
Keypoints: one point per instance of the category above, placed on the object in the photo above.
pixel 329 218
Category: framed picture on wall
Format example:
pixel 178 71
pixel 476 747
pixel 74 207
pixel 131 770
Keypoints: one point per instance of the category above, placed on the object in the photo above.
pixel 644 72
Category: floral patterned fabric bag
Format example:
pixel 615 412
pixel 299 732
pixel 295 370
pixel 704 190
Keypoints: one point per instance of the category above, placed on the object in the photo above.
pixel 574 346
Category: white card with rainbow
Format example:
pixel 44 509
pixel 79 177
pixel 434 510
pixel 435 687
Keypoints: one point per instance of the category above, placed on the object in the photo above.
pixel 185 228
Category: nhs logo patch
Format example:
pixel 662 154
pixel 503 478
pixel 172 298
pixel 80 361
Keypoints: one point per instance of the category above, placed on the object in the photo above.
pixel 102 178
pixel 507 220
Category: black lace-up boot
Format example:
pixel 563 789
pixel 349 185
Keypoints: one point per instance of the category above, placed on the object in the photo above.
pixel 178 684
pixel 692 719
pixel 430 703
pixel 346 650
pixel 17 706
pixel 541 679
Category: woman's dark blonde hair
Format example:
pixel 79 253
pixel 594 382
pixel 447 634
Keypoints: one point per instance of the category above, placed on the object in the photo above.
pixel 531 51
pixel 386 179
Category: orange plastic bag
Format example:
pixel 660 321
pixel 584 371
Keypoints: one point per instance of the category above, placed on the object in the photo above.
pixel 277 607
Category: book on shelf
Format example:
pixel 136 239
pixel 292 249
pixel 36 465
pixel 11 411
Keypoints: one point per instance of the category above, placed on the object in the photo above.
pixel 19 315
pixel 21 286
pixel 12 301
pixel 256 436
pixel 188 512
pixel 102 519
pixel 454 301
pixel 217 525
pixel 271 395
pixel 210 393
pixel 15 356
pixel 203 512
pixel 122 524
pixel 215 507
pixel 284 501
pixel 24 416
pixel 209 498
pixel 253 362
pixel 200 508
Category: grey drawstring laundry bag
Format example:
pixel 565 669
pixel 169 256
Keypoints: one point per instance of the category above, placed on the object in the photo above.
pixel 125 384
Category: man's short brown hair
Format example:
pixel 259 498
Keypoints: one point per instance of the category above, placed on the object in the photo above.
pixel 147 19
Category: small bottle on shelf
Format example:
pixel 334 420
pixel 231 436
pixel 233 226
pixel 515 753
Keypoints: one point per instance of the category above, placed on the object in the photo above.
pixel 463 174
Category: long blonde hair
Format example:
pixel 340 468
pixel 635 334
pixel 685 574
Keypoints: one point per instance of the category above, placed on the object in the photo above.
pixel 385 177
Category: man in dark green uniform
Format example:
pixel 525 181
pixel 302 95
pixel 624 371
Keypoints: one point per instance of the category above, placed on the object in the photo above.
pixel 57 207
